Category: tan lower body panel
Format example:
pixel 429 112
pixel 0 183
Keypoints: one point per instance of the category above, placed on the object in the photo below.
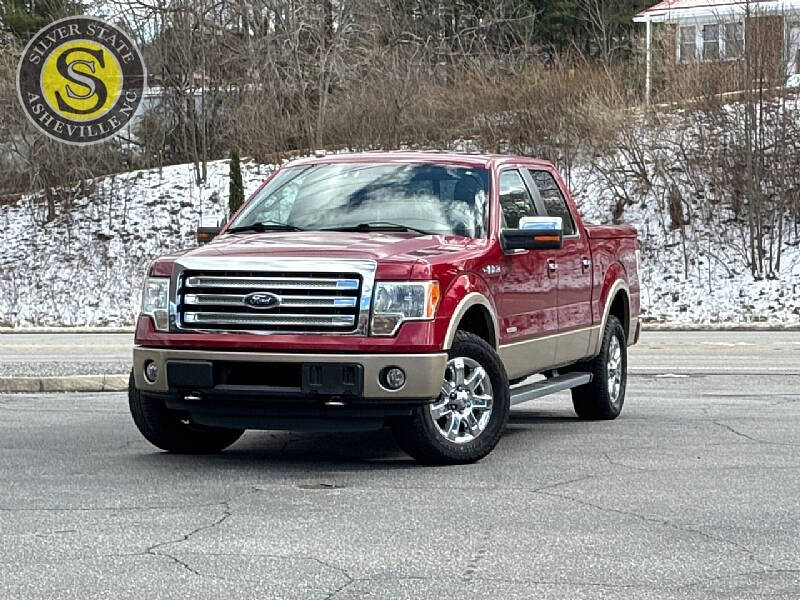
pixel 633 337
pixel 424 372
pixel 548 352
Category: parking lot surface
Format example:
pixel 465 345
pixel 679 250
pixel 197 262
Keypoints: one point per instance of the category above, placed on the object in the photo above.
pixel 694 492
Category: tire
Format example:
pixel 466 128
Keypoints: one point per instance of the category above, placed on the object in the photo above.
pixel 455 437
pixel 599 400
pixel 165 430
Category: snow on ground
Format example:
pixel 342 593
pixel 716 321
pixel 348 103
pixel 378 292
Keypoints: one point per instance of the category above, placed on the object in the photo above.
pixel 85 268
pixel 716 290
pixel 697 276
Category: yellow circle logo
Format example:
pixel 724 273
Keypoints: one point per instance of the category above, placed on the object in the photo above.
pixel 80 80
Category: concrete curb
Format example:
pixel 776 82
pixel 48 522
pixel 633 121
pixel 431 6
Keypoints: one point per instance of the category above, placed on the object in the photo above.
pixel 655 326
pixel 72 383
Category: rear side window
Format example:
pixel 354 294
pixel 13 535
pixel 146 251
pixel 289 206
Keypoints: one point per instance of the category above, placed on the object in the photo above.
pixel 554 202
pixel 515 200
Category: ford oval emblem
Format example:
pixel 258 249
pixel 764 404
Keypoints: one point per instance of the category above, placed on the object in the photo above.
pixel 262 300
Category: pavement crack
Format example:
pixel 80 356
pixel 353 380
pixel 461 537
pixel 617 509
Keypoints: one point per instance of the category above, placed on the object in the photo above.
pixel 750 437
pixel 157 549
pixel 105 508
pixel 665 523
pixel 551 486
pixel 729 576
pixel 624 466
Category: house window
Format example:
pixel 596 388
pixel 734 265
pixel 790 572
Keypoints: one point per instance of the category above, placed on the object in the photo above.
pixel 710 42
pixel 688 49
pixel 734 40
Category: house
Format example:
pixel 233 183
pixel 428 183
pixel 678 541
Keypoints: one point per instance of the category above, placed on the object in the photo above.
pixel 723 33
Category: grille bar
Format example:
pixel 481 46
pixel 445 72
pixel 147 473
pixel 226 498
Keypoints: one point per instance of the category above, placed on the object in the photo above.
pixel 222 318
pixel 286 301
pixel 281 283
pixel 314 301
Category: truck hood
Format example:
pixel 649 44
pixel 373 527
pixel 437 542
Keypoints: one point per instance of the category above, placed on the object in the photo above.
pixel 398 254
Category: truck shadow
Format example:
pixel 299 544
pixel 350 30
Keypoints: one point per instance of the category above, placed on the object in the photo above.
pixel 319 452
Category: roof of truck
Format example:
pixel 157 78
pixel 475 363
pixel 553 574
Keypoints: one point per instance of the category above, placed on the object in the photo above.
pixel 454 158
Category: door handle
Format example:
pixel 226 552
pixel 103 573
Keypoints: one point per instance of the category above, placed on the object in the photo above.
pixel 586 263
pixel 552 265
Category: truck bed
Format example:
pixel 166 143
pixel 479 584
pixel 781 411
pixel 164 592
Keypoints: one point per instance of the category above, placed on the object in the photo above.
pixel 605 232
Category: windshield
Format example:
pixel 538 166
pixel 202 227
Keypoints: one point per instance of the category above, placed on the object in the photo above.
pixel 429 198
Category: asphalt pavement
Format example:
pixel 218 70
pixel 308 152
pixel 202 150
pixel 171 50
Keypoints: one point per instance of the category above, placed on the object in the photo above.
pixel 64 354
pixel 694 492
pixel 658 352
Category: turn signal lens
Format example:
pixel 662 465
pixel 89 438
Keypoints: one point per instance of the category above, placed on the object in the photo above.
pixel 434 294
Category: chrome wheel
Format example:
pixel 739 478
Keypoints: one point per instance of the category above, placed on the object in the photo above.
pixel 464 407
pixel 614 369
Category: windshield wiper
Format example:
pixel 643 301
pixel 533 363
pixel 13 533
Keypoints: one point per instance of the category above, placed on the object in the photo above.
pixel 379 226
pixel 268 225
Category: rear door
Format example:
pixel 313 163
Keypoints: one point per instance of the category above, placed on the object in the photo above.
pixel 527 305
pixel 573 264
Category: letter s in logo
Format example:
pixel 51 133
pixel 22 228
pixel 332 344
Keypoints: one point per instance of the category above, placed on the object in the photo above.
pixel 94 84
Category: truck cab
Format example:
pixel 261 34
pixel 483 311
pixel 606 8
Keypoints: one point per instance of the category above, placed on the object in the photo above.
pixel 414 290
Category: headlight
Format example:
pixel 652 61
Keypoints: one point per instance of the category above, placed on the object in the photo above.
pixel 398 301
pixel 155 301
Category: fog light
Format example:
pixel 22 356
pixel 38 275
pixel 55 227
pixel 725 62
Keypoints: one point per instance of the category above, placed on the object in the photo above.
pixel 150 371
pixel 394 377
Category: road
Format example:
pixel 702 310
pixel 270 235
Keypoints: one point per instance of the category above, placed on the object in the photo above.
pixel 659 352
pixel 50 354
pixel 693 493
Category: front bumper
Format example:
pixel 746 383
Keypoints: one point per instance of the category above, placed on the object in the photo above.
pixel 424 372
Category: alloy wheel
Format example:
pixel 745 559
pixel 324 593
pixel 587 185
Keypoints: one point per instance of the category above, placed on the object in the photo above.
pixel 464 408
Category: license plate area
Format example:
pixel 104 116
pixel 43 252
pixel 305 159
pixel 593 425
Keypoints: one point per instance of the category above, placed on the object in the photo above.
pixel 332 379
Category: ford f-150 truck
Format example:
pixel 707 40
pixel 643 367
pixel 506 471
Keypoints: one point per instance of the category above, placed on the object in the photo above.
pixel 416 290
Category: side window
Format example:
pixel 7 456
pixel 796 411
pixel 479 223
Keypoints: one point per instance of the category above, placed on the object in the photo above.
pixel 514 199
pixel 553 199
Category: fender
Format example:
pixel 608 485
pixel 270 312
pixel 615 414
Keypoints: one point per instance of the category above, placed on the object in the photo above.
pixel 616 286
pixel 475 292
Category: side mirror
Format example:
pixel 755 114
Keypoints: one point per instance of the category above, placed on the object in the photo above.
pixel 534 233
pixel 208 229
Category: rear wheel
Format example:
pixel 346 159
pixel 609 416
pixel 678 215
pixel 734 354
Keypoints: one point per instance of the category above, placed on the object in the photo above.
pixel 466 421
pixel 169 431
pixel 604 396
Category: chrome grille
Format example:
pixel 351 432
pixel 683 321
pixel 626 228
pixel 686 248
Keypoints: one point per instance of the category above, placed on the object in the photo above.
pixel 309 302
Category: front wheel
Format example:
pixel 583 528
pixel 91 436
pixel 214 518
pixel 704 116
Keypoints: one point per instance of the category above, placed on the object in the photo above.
pixel 604 396
pixel 167 430
pixel 466 421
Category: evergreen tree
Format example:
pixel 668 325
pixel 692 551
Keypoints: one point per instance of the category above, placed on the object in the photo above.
pixel 236 197
pixel 23 18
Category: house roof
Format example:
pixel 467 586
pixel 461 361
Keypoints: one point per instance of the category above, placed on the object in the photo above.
pixel 679 10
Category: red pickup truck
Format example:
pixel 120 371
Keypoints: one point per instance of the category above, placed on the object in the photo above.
pixel 415 290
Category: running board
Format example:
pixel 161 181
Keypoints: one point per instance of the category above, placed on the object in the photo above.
pixel 549 386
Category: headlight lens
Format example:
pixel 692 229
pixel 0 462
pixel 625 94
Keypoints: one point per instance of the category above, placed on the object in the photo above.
pixel 398 301
pixel 155 301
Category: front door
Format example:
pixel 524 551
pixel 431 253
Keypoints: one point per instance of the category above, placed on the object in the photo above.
pixel 573 262
pixel 528 311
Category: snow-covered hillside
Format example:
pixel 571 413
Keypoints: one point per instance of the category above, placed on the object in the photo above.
pixel 717 289
pixel 86 267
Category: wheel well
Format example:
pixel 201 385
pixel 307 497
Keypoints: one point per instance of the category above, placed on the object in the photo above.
pixel 478 321
pixel 621 310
